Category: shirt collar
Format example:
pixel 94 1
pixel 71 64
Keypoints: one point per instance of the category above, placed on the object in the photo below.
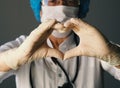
pixel 64 46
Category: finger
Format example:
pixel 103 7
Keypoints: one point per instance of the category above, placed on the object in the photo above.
pixel 41 33
pixel 43 30
pixel 46 25
pixel 73 24
pixel 72 53
pixel 60 28
pixel 69 24
pixel 54 53
pixel 76 23
pixel 81 24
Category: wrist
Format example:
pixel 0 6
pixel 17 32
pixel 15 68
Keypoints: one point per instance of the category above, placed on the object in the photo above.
pixel 14 58
pixel 113 57
pixel 22 57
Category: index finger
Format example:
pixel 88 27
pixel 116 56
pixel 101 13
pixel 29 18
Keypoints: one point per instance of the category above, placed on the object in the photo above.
pixel 47 25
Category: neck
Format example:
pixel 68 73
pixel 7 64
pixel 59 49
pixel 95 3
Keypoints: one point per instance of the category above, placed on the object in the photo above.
pixel 56 41
pixel 57 38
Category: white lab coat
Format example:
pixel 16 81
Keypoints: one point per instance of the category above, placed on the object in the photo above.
pixel 46 74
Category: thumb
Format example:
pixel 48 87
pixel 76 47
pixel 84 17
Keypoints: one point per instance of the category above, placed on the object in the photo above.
pixel 72 53
pixel 54 53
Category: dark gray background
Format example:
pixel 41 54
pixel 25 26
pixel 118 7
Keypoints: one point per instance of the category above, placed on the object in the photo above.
pixel 16 18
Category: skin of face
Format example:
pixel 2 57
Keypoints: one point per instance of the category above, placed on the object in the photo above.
pixel 62 2
pixel 57 41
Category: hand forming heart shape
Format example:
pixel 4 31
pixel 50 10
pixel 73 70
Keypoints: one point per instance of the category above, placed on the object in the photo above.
pixel 92 42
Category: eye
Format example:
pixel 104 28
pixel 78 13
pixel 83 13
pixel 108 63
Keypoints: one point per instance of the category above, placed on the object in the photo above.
pixel 51 0
pixel 72 2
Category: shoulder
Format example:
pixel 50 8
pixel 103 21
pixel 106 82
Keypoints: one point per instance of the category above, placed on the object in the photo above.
pixel 12 44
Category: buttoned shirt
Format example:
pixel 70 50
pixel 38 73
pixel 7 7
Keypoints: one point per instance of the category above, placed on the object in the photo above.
pixel 46 74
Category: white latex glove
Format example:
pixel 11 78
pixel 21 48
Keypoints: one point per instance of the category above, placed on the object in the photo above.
pixel 92 42
pixel 33 47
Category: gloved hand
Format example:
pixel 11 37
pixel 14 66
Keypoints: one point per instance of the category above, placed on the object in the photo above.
pixel 33 47
pixel 92 41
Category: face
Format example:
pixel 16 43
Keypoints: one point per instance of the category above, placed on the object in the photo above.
pixel 73 3
pixel 63 10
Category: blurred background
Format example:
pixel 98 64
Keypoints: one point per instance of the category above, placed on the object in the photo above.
pixel 16 18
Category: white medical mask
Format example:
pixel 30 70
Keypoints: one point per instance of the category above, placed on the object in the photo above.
pixel 61 14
